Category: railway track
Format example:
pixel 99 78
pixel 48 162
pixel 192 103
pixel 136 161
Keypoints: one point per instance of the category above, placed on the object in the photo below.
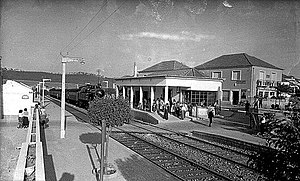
pixel 229 163
pixel 173 163
pixel 185 157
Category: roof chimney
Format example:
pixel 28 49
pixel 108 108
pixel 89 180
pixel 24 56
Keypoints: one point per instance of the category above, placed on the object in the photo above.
pixel 134 70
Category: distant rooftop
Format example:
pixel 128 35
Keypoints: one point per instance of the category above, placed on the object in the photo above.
pixel 235 61
pixel 165 66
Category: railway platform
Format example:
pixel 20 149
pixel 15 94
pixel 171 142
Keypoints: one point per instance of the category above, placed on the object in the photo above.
pixel 74 157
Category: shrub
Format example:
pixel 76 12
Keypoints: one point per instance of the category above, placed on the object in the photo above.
pixel 116 111
pixel 282 160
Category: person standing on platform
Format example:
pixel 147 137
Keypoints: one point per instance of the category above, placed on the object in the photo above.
pixel 162 104
pixel 172 109
pixel 34 111
pixel 166 110
pixel 210 115
pixel 216 105
pixel 154 105
pixel 262 125
pixel 25 118
pixel 43 119
pixel 260 102
pixel 183 110
pixel 157 105
pixel 247 107
pixel 20 119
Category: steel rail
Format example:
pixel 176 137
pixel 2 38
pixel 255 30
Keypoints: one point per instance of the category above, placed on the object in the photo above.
pixel 199 139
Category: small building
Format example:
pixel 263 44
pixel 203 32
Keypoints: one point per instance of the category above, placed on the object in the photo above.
pixel 170 81
pixel 245 77
pixel 16 96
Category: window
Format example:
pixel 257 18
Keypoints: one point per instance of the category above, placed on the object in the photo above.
pixel 216 75
pixel 261 75
pixel 236 75
pixel 243 93
pixel 105 84
pixel 266 95
pixel 273 76
pixel 25 97
pixel 114 85
pixel 226 94
pixel 260 94
pixel 208 98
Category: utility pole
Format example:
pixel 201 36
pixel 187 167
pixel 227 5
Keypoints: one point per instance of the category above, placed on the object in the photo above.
pixel 64 60
pixel 98 76
pixel 43 96
pixel 1 90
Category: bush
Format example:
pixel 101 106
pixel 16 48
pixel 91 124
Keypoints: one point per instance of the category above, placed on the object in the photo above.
pixel 116 111
pixel 282 160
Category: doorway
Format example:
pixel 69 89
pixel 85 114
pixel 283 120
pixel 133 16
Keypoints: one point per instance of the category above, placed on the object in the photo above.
pixel 235 97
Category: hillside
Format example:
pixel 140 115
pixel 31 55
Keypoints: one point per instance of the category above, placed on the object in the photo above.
pixel 78 78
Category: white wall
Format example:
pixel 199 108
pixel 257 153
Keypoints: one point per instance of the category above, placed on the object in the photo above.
pixel 15 97
pixel 195 84
pixel 190 83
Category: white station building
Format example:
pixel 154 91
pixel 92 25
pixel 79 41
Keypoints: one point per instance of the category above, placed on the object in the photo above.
pixel 170 80
pixel 16 96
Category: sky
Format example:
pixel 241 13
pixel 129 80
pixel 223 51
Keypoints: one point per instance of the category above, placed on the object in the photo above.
pixel 113 34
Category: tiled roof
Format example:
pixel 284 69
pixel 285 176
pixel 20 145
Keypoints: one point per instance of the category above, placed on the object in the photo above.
pixel 187 72
pixel 172 68
pixel 165 66
pixel 235 61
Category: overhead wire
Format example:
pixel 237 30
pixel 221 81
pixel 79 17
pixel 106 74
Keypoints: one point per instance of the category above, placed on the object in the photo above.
pixel 85 25
pixel 99 25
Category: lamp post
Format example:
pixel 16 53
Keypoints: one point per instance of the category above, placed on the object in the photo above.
pixel 40 90
pixel 98 75
pixel 43 93
pixel 64 60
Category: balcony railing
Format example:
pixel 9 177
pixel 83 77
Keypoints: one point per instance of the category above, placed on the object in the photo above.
pixel 267 83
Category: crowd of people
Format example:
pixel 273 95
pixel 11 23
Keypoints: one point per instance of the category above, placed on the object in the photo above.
pixel 176 108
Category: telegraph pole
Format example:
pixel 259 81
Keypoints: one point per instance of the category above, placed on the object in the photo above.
pixel 43 93
pixel 1 91
pixel 98 75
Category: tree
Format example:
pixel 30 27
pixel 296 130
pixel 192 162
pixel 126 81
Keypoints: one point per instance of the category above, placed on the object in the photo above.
pixel 113 112
pixel 282 160
pixel 295 100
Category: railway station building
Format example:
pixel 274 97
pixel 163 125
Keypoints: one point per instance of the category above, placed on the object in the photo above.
pixel 170 81
pixel 245 78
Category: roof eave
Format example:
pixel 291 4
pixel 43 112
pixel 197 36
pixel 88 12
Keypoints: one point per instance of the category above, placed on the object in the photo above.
pixel 143 71
pixel 217 67
pixel 166 76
